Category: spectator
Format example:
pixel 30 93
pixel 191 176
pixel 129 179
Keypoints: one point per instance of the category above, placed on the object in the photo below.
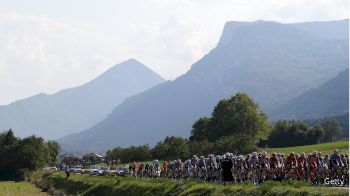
pixel 227 169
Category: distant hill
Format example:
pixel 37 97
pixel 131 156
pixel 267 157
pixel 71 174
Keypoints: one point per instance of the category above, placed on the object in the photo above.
pixel 270 61
pixel 329 99
pixel 74 109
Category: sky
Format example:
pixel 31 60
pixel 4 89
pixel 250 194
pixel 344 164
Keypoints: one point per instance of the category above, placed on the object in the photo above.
pixel 46 46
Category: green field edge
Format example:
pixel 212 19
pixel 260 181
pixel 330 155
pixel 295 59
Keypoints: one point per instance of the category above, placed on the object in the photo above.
pixel 325 148
pixel 20 188
pixel 57 184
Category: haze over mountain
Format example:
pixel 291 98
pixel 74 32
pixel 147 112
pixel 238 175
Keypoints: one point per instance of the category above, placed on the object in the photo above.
pixel 270 61
pixel 326 29
pixel 329 99
pixel 78 108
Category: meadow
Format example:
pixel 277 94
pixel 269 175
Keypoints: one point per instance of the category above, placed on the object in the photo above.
pixel 11 188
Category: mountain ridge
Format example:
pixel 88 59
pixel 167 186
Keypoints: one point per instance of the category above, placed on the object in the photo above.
pixel 329 99
pixel 78 107
pixel 279 63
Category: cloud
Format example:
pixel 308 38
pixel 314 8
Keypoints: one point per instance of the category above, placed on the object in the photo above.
pixel 39 54
pixel 45 51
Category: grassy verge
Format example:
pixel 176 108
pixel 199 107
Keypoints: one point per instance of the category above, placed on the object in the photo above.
pixel 106 185
pixel 11 188
pixel 325 148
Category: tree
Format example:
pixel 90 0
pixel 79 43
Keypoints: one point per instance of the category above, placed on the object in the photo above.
pixel 8 156
pixel 200 129
pixel 297 133
pixel 160 151
pixel 203 147
pixel 277 134
pixel 9 138
pixel 177 147
pixel 31 153
pixel 53 150
pixel 171 148
pixel 139 153
pixel 238 144
pixel 130 154
pixel 294 133
pixel 315 134
pixel 20 155
pixel 332 129
pixel 238 115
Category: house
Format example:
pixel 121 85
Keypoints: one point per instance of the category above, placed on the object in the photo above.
pixel 92 158
pixel 69 159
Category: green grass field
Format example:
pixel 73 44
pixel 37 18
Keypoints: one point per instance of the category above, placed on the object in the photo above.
pixel 56 184
pixel 108 185
pixel 11 188
pixel 325 148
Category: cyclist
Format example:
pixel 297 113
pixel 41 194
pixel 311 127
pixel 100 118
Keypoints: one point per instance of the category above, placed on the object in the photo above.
pixel 194 161
pixel 291 162
pixel 301 166
pixel 335 162
pixel 273 162
pixel 240 167
pixel 313 166
pixel 263 164
pixel 165 165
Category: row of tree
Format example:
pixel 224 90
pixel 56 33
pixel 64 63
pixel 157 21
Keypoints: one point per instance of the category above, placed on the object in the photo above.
pixel 18 156
pixel 130 154
pixel 171 148
pixel 236 125
pixel 340 123
pixel 295 133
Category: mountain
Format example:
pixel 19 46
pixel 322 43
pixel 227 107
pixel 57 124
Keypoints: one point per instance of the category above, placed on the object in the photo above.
pixel 74 109
pixel 326 29
pixel 270 61
pixel 329 99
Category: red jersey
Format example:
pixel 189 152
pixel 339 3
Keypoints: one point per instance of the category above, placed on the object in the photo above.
pixel 314 161
pixel 301 161
pixel 291 160
pixel 165 165
pixel 273 161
